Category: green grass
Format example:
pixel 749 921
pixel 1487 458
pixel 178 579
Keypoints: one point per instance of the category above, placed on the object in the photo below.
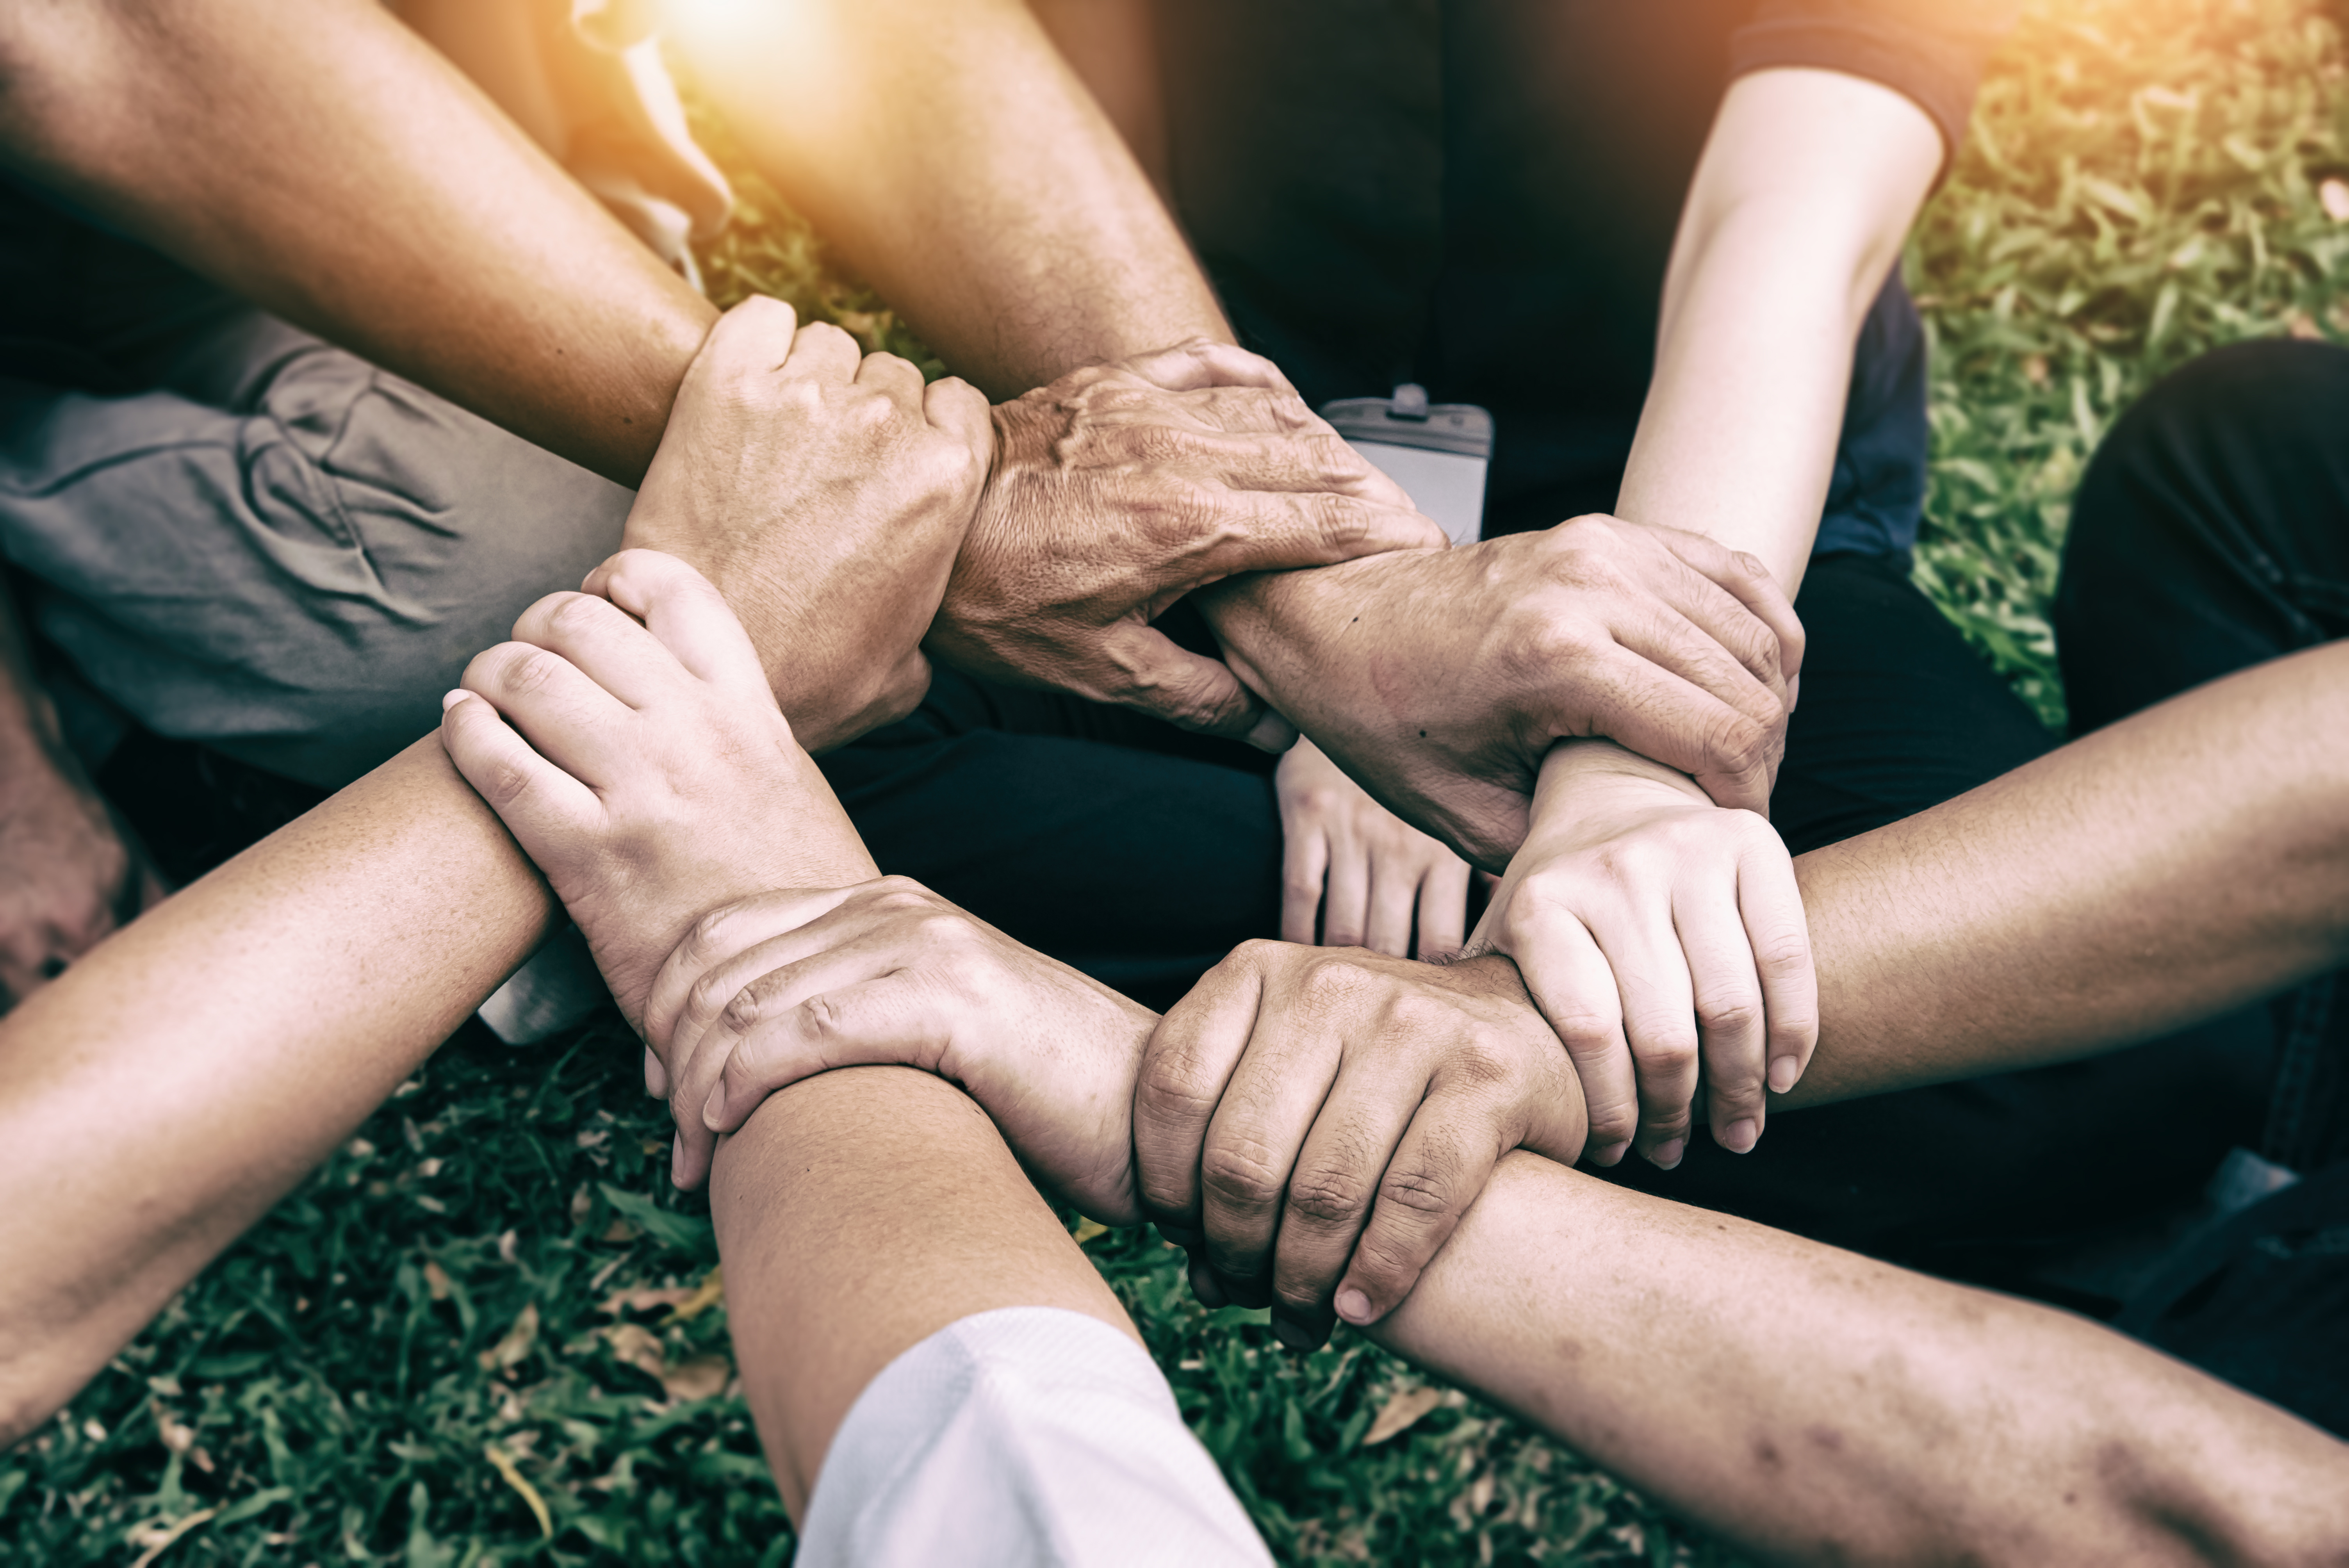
pixel 457 1283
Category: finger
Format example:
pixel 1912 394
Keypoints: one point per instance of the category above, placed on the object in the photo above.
pixel 891 1019
pixel 1184 1068
pixel 1152 674
pixel 1660 716
pixel 1346 907
pixel 753 339
pixel 1778 934
pixel 821 352
pixel 1651 976
pixel 1670 640
pixel 1391 901
pixel 1444 907
pixel 606 644
pixel 690 990
pixel 1727 992
pixel 700 1102
pixel 568 719
pixel 956 406
pixel 1202 362
pixel 655 1076
pixel 1304 865
pixel 894 378
pixel 1339 1169
pixel 1575 988
pixel 540 804
pixel 684 612
pixel 1253 1140
pixel 1745 578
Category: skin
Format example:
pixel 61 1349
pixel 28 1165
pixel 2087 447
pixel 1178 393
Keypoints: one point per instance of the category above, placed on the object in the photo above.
pixel 1804 1402
pixel 1805 191
pixel 1354 874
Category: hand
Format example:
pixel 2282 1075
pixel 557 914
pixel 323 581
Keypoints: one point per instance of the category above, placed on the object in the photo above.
pixel 1361 868
pixel 1121 488
pixel 826 494
pixel 67 879
pixel 1657 932
pixel 1439 679
pixel 1313 1123
pixel 788 984
pixel 628 739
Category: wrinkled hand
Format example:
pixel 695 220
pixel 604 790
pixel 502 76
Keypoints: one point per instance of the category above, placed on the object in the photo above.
pixel 628 739
pixel 1439 679
pixel 1121 488
pixel 1359 868
pixel 1312 1122
pixel 787 985
pixel 67 879
pixel 1664 937
pixel 826 492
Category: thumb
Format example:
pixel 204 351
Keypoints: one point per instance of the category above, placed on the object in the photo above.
pixel 1187 689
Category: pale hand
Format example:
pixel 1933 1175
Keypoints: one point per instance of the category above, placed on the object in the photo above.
pixel 1664 937
pixel 1354 874
pixel 781 986
pixel 629 741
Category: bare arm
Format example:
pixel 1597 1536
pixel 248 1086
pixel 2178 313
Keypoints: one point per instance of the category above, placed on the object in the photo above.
pixel 954 159
pixel 1817 1406
pixel 182 1077
pixel 2177 865
pixel 1804 197
pixel 321 160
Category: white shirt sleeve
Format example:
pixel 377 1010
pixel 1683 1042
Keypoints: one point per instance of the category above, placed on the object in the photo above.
pixel 1026 1438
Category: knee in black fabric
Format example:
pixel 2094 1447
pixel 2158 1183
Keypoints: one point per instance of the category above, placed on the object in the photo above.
pixel 2211 531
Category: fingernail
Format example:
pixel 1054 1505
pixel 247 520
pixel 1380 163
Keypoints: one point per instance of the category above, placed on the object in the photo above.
pixel 677 1159
pixel 450 700
pixel 1740 1136
pixel 1612 1154
pixel 1353 1305
pixel 1668 1153
pixel 1783 1072
pixel 714 1108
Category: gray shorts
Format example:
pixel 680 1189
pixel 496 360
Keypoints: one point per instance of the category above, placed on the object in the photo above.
pixel 278 550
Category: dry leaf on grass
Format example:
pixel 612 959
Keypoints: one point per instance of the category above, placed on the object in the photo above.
pixel 158 1536
pixel 1088 1229
pixel 698 1379
pixel 709 1293
pixel 1401 1412
pixel 508 1353
pixel 521 1483
pixel 644 1298
pixel 436 1281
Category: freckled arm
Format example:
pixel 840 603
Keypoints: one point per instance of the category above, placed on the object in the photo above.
pixel 1816 1405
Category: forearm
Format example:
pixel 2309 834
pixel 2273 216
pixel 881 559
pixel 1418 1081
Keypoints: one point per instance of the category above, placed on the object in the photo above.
pixel 1799 208
pixel 325 162
pixel 1809 1403
pixel 184 1076
pixel 2184 862
pixel 858 1213
pixel 950 155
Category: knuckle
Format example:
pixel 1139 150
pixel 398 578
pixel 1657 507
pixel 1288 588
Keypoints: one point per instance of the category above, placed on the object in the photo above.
pixel 1737 744
pixel 1736 1014
pixel 1240 1173
pixel 530 672
pixel 1418 1189
pixel 741 1012
pixel 1330 1197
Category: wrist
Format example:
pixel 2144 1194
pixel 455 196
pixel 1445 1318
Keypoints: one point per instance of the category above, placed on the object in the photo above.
pixel 1586 768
